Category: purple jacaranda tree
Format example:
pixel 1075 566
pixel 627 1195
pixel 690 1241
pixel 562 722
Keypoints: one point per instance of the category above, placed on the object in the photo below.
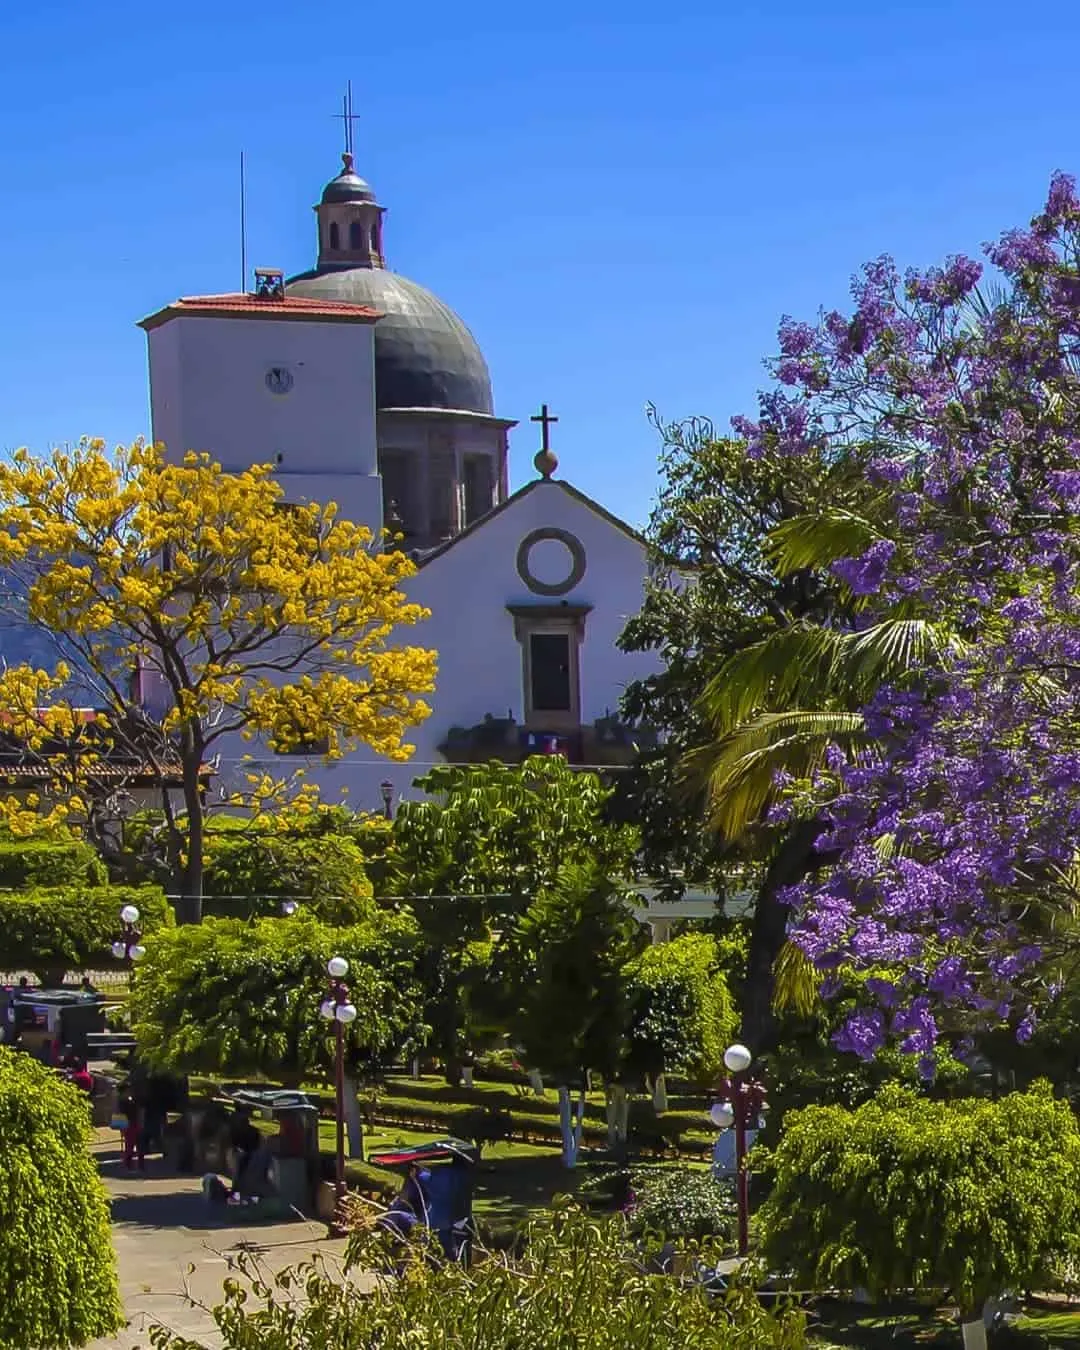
pixel 955 830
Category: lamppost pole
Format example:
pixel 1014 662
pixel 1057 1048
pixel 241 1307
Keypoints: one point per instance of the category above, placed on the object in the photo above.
pixel 747 1099
pixel 386 788
pixel 341 1011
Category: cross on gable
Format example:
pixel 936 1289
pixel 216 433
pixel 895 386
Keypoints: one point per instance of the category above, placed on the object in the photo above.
pixel 546 420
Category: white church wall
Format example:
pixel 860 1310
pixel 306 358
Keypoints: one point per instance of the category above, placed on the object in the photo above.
pixel 467 588
pixel 209 392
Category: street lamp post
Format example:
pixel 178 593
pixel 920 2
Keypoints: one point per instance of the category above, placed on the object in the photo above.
pixel 386 788
pixel 338 1008
pixel 128 946
pixel 745 1101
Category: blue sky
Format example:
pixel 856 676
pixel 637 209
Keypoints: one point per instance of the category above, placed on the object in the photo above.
pixel 620 200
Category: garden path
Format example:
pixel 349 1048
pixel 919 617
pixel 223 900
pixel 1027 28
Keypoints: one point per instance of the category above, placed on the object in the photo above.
pixel 173 1252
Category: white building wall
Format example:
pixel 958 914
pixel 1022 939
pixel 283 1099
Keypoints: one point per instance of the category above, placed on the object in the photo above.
pixel 467 589
pixel 209 393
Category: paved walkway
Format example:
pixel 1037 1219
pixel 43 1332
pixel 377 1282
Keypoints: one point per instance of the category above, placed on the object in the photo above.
pixel 173 1251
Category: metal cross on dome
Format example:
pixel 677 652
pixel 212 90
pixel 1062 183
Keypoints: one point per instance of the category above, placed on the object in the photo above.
pixel 347 117
pixel 546 420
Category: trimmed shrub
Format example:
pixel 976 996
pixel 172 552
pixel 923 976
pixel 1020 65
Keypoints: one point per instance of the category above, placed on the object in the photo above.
pixel 250 876
pixel 682 1203
pixel 236 998
pixel 58 1283
pixel 681 1013
pixel 70 928
pixel 46 862
pixel 573 1280
pixel 974 1196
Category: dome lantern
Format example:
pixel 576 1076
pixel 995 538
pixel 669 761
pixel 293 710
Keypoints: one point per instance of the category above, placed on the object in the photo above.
pixel 350 221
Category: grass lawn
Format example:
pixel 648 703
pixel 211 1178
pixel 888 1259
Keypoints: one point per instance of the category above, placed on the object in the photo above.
pixel 847 1326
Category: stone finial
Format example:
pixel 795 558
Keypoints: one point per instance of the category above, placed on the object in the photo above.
pixel 546 462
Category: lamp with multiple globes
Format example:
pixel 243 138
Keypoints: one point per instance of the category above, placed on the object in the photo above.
pixel 742 1102
pixel 386 789
pixel 339 1009
pixel 128 947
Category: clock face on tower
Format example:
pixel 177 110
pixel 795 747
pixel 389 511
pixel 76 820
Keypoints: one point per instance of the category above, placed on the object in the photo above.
pixel 279 379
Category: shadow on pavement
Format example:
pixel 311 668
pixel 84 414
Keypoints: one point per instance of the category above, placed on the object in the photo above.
pixel 181 1209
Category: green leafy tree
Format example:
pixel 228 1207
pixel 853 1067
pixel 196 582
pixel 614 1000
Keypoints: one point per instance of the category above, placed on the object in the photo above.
pixel 975 1196
pixel 53 930
pixel 58 1283
pixel 681 1014
pixel 248 875
pixel 238 998
pixel 567 995
pixel 577 1281
pixel 471 856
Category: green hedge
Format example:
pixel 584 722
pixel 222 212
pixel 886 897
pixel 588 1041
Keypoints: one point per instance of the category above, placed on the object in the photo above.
pixel 687 1109
pixel 58 1283
pixel 253 876
pixel 42 862
pixel 51 931
pixel 539 1123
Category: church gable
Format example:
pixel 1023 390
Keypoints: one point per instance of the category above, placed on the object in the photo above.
pixel 526 609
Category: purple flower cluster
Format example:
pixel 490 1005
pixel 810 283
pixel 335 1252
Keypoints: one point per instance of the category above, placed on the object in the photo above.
pixel 966 808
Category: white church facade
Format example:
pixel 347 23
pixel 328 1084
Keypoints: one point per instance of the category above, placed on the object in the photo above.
pixel 363 388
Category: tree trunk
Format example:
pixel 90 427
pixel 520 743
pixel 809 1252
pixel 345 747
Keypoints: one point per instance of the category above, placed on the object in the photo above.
pixel 659 1094
pixel 570 1126
pixel 618 1116
pixel 795 859
pixel 189 909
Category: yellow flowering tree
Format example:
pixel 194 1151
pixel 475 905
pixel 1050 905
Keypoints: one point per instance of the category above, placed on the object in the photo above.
pixel 197 606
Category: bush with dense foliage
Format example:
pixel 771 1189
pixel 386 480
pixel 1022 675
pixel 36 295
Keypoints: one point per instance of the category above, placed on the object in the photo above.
pixel 579 1281
pixel 975 1196
pixel 49 862
pixel 68 928
pixel 681 1013
pixel 681 1203
pixel 58 1284
pixel 250 875
pixel 237 998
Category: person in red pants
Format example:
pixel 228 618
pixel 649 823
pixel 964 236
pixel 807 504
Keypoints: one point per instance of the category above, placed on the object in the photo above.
pixel 132 1134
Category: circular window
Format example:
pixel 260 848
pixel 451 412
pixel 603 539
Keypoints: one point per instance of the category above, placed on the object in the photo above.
pixel 550 561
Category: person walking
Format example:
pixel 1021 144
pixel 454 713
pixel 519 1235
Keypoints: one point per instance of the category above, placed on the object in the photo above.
pixel 132 1134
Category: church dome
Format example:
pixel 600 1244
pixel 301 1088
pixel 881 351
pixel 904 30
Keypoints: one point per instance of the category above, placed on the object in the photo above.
pixel 425 357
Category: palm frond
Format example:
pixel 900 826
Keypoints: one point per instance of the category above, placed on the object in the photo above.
pixel 738 773
pixel 795 982
pixel 815 540
pixel 808 666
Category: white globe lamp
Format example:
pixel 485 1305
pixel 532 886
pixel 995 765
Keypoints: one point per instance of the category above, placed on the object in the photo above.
pixel 345 1013
pixel 138 952
pixel 129 914
pixel 326 1009
pixel 119 950
pixel 737 1058
pixel 338 967
pixel 722 1116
